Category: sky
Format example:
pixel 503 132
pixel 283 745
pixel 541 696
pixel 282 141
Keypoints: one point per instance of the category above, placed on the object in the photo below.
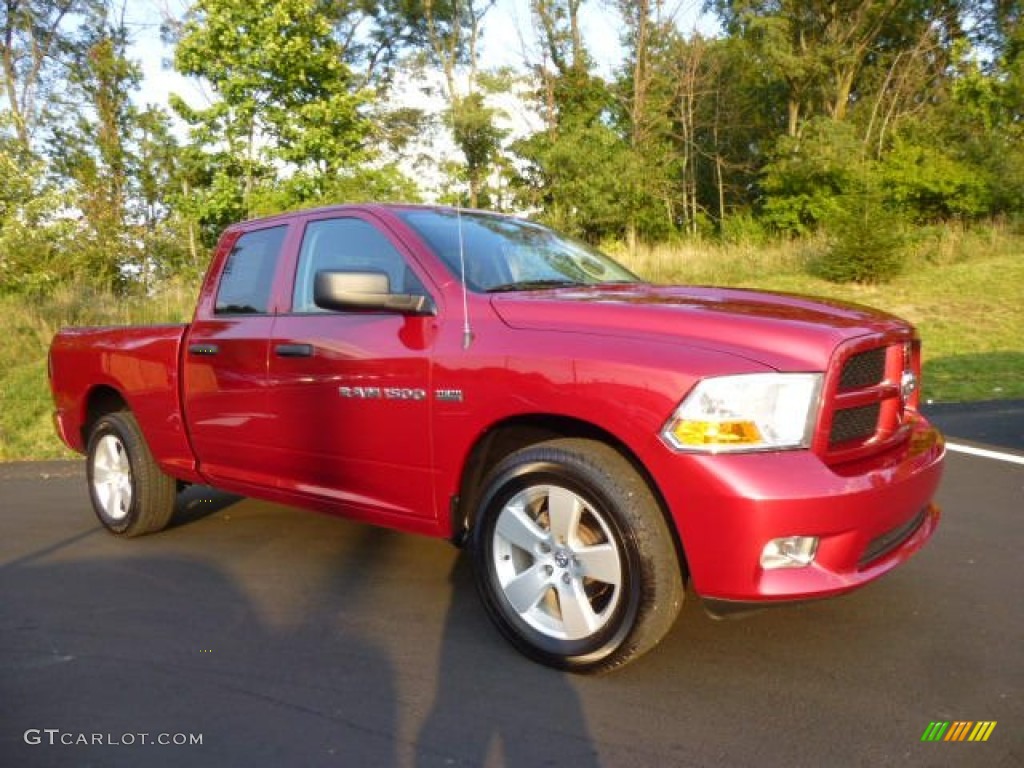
pixel 159 80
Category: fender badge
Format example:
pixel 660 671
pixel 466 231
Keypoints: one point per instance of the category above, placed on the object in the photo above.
pixel 448 395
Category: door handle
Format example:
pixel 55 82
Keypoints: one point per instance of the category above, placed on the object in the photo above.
pixel 203 349
pixel 293 350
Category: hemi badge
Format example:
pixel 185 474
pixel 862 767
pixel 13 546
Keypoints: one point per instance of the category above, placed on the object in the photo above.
pixel 448 395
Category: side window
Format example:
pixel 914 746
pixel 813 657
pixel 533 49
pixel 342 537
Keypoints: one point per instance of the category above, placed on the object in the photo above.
pixel 248 275
pixel 348 245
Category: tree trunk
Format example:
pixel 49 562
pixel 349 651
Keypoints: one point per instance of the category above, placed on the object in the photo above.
pixel 793 117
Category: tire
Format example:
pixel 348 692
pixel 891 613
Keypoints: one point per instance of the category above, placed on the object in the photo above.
pixel 129 493
pixel 574 561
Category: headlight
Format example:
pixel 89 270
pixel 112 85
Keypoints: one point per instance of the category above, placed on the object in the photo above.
pixel 753 412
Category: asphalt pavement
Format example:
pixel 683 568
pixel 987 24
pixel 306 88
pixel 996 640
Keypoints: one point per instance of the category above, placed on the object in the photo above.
pixel 995 424
pixel 277 637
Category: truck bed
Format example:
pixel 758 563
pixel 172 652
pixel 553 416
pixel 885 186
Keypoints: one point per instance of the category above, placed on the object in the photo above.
pixel 138 365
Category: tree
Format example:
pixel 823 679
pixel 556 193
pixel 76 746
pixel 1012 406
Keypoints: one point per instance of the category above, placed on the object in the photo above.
pixel 990 95
pixel 34 247
pixel 648 105
pixel 92 150
pixel 36 38
pixel 905 80
pixel 807 175
pixel 170 238
pixel 452 31
pixel 284 96
pixel 573 170
pixel 86 205
pixel 735 110
pixel 821 48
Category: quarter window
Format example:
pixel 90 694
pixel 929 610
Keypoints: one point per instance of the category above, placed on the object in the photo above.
pixel 248 275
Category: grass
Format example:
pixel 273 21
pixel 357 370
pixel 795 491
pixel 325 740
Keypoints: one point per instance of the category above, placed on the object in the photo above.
pixel 963 289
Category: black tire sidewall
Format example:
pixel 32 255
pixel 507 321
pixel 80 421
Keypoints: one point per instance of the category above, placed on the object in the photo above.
pixel 114 425
pixel 567 654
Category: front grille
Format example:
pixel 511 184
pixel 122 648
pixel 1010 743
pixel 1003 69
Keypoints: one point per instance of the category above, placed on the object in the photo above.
pixel 863 410
pixel 854 424
pixel 887 542
pixel 865 369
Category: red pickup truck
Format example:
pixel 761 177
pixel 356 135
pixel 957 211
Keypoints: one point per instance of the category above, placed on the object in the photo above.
pixel 596 441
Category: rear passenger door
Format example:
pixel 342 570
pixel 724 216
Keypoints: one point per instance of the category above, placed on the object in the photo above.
pixel 225 364
pixel 351 390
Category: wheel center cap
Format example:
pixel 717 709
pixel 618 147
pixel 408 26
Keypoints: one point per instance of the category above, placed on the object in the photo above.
pixel 562 558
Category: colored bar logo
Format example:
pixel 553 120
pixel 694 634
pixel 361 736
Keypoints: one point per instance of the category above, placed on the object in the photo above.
pixel 960 730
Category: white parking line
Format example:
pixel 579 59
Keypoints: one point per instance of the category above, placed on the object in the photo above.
pixel 986 454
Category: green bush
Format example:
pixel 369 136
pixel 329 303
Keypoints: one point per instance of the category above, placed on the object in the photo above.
pixel 865 241
pixel 932 184
pixel 807 176
pixel 742 229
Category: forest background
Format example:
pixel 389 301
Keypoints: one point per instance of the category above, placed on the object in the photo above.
pixel 864 149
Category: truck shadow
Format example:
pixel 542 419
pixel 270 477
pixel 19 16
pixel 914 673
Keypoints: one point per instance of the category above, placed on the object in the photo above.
pixel 200 501
pixel 280 637
pixel 96 641
pixel 492 706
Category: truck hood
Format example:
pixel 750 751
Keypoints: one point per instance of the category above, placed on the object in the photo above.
pixel 783 331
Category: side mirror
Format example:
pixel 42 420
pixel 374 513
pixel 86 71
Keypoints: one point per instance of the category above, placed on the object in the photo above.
pixel 365 292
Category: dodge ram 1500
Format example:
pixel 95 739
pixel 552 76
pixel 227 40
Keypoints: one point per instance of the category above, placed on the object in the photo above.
pixel 596 441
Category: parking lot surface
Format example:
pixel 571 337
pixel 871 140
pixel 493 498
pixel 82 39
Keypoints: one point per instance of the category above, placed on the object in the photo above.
pixel 280 637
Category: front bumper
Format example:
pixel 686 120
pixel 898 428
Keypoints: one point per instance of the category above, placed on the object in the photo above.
pixel 869 517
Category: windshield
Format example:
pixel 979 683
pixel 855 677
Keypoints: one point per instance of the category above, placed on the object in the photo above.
pixel 506 254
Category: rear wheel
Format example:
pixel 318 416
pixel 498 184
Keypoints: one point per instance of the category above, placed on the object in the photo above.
pixel 130 494
pixel 574 561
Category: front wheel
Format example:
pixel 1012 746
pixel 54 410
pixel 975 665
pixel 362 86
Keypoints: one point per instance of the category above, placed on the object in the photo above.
pixel 130 494
pixel 574 561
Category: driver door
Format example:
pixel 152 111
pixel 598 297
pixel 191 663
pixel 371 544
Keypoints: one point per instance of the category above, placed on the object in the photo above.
pixel 350 391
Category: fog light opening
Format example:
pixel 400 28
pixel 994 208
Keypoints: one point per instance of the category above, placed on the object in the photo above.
pixel 789 552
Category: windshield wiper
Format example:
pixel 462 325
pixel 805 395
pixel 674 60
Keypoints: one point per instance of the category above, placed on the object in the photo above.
pixel 529 285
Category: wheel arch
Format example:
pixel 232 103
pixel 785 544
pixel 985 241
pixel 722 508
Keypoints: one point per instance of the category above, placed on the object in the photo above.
pixel 101 400
pixel 512 434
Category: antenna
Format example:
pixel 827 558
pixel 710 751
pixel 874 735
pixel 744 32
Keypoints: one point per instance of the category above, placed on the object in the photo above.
pixel 467 332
